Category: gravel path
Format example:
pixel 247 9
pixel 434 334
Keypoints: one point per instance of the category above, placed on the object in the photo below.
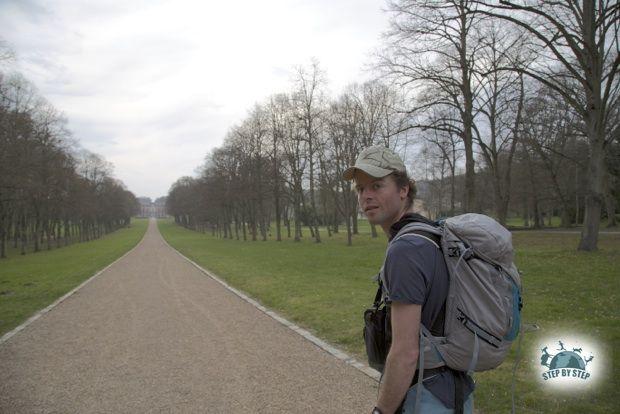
pixel 154 334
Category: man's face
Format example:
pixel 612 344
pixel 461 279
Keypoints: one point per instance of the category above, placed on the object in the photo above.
pixel 380 198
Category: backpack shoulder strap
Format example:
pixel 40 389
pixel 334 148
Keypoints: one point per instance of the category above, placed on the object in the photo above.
pixel 431 233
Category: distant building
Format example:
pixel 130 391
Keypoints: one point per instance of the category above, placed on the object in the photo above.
pixel 150 208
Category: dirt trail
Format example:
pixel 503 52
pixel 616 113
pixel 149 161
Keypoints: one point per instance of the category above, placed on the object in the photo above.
pixel 154 334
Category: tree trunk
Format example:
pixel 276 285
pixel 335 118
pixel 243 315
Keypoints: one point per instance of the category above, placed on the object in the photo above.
pixel 48 235
pixel 287 221
pixel 538 223
pixel 58 236
pixel 373 231
pixel 349 230
pixel 467 115
pixel 2 239
pixel 23 234
pixel 326 216
pixel 297 220
pixel 37 236
pixel 565 217
pixel 452 187
pixel 16 234
pixel 223 221
pixel 610 204
pixel 577 195
pixel 278 218
pixel 346 206
pixel 244 228
pixel 594 198
pixel 314 222
pixel 253 227
pixel 237 224
pixel 336 219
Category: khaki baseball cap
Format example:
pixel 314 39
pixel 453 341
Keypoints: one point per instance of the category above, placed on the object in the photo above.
pixel 376 161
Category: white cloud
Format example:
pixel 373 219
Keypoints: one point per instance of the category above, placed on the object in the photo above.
pixel 153 85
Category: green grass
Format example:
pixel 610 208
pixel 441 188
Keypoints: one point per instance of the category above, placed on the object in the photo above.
pixel 325 288
pixel 33 281
pixel 565 291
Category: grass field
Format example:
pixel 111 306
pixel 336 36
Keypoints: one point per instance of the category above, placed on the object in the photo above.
pixel 325 288
pixel 33 281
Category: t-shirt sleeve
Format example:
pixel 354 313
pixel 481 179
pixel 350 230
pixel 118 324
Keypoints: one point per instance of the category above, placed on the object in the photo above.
pixel 408 269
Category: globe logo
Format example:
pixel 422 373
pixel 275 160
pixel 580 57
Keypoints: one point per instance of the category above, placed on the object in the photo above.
pixel 566 363
pixel 567 359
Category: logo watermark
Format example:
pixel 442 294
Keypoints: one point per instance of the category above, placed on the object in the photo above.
pixel 565 363
pixel 568 362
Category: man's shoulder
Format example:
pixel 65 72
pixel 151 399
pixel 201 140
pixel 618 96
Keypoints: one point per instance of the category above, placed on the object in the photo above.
pixel 412 244
pixel 412 251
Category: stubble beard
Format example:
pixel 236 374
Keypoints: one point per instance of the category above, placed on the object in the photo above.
pixel 385 219
pixel 380 218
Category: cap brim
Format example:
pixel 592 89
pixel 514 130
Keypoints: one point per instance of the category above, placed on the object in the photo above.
pixel 371 170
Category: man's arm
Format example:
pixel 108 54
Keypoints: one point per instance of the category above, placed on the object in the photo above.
pixel 403 356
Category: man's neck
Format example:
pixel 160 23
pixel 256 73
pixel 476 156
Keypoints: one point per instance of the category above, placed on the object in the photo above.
pixel 386 227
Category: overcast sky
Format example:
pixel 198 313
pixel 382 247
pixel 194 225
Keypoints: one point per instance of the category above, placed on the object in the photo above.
pixel 154 85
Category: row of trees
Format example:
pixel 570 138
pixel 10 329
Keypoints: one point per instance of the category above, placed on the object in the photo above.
pixel 283 163
pixel 523 97
pixel 52 192
pixel 545 176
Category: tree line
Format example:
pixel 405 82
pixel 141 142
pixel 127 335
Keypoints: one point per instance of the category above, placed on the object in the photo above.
pixel 510 107
pixel 52 192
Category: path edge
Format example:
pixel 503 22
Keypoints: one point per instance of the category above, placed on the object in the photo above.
pixel 4 338
pixel 330 349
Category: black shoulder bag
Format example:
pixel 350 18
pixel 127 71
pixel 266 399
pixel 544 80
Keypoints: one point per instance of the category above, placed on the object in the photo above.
pixel 377 332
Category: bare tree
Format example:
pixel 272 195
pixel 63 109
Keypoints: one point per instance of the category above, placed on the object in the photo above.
pixel 499 107
pixel 278 109
pixel 295 153
pixel 448 146
pixel 44 199
pixel 309 105
pixel 551 133
pixel 431 48
pixel 579 59
pixel 344 143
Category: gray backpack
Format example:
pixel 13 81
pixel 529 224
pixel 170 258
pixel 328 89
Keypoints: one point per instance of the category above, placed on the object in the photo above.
pixel 483 307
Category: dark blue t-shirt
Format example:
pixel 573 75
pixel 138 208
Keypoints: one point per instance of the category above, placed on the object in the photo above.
pixel 415 273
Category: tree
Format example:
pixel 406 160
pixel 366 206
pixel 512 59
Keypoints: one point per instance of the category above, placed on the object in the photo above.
pixel 443 144
pixel 431 48
pixel 309 103
pixel 344 146
pixel 277 110
pixel 578 57
pixel 551 134
pixel 50 190
pixel 499 108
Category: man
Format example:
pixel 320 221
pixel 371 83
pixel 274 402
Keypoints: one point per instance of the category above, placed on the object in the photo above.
pixel 415 286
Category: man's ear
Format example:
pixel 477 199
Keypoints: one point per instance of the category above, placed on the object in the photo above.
pixel 404 191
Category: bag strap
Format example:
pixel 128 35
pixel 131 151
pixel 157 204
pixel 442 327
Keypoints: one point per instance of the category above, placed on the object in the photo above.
pixel 377 301
pixel 459 393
